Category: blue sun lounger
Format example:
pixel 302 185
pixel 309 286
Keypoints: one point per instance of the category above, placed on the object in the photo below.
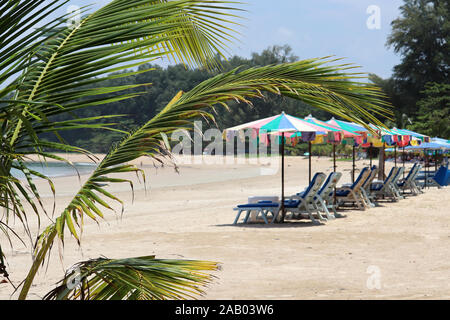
pixel 304 203
pixel 385 188
pixel 440 178
pixel 261 207
pixel 293 204
pixel 409 182
pixel 365 189
pixel 324 200
pixel 353 193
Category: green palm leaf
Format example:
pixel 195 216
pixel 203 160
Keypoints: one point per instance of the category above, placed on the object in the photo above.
pixel 53 65
pixel 143 278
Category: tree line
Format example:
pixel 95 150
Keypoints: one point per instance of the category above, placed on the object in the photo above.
pixel 419 88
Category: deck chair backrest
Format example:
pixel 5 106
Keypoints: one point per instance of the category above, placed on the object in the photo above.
pixel 361 179
pixel 315 185
pixel 371 177
pixel 411 172
pixel 398 174
pixel 327 189
pixel 391 175
pixel 416 173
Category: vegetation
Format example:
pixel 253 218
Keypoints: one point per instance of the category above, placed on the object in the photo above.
pixel 47 79
pixel 167 82
pixel 419 86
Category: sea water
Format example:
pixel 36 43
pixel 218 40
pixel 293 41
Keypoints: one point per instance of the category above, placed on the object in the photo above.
pixel 57 169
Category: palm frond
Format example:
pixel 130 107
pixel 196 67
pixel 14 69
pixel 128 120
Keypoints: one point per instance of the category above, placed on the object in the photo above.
pixel 54 66
pixel 142 278
pixel 17 43
pixel 121 35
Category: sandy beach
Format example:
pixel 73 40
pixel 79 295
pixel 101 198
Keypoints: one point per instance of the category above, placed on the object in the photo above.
pixel 189 215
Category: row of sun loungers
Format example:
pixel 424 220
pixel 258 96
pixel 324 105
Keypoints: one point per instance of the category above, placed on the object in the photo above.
pixel 321 199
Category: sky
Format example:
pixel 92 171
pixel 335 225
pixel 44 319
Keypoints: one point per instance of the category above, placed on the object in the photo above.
pixel 317 28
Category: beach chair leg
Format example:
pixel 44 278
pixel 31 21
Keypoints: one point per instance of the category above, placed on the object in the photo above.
pixel 360 204
pixel 325 209
pixel 311 215
pixel 237 217
pixel 274 216
pixel 247 216
pixel 366 197
pixel 264 215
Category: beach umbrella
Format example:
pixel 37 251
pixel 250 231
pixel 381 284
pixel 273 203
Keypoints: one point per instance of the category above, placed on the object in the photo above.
pixel 280 125
pixel 353 128
pixel 430 146
pixel 440 140
pixel 329 127
pixel 323 129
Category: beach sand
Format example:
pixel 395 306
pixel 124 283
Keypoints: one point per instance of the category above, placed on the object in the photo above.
pixel 403 246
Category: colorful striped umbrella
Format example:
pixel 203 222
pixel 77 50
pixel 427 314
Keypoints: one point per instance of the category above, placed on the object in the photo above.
pixel 332 128
pixel 348 126
pixel 353 128
pixel 280 124
pixel 288 123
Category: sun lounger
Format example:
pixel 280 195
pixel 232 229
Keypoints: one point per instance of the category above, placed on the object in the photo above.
pixel 365 190
pixel 325 197
pixel 440 178
pixel 353 192
pixel 409 182
pixel 382 189
pixel 302 203
pixel 262 208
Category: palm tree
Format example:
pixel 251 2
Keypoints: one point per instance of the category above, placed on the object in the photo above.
pixel 46 74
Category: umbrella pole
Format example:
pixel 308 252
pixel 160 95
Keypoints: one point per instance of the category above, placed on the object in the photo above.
pixel 369 152
pixel 395 155
pixel 384 161
pixel 435 160
pixel 354 166
pixel 334 158
pixel 403 158
pixel 334 169
pixel 309 151
pixel 426 168
pixel 282 178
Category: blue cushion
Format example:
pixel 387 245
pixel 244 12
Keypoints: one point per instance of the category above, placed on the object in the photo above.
pixel 259 205
pixel 410 173
pixel 342 193
pixel 371 170
pixel 441 176
pixel 376 187
pixel 389 175
pixel 291 203
pixel 313 181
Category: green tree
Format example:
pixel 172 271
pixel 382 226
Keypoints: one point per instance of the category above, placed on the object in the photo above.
pixel 433 117
pixel 422 37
